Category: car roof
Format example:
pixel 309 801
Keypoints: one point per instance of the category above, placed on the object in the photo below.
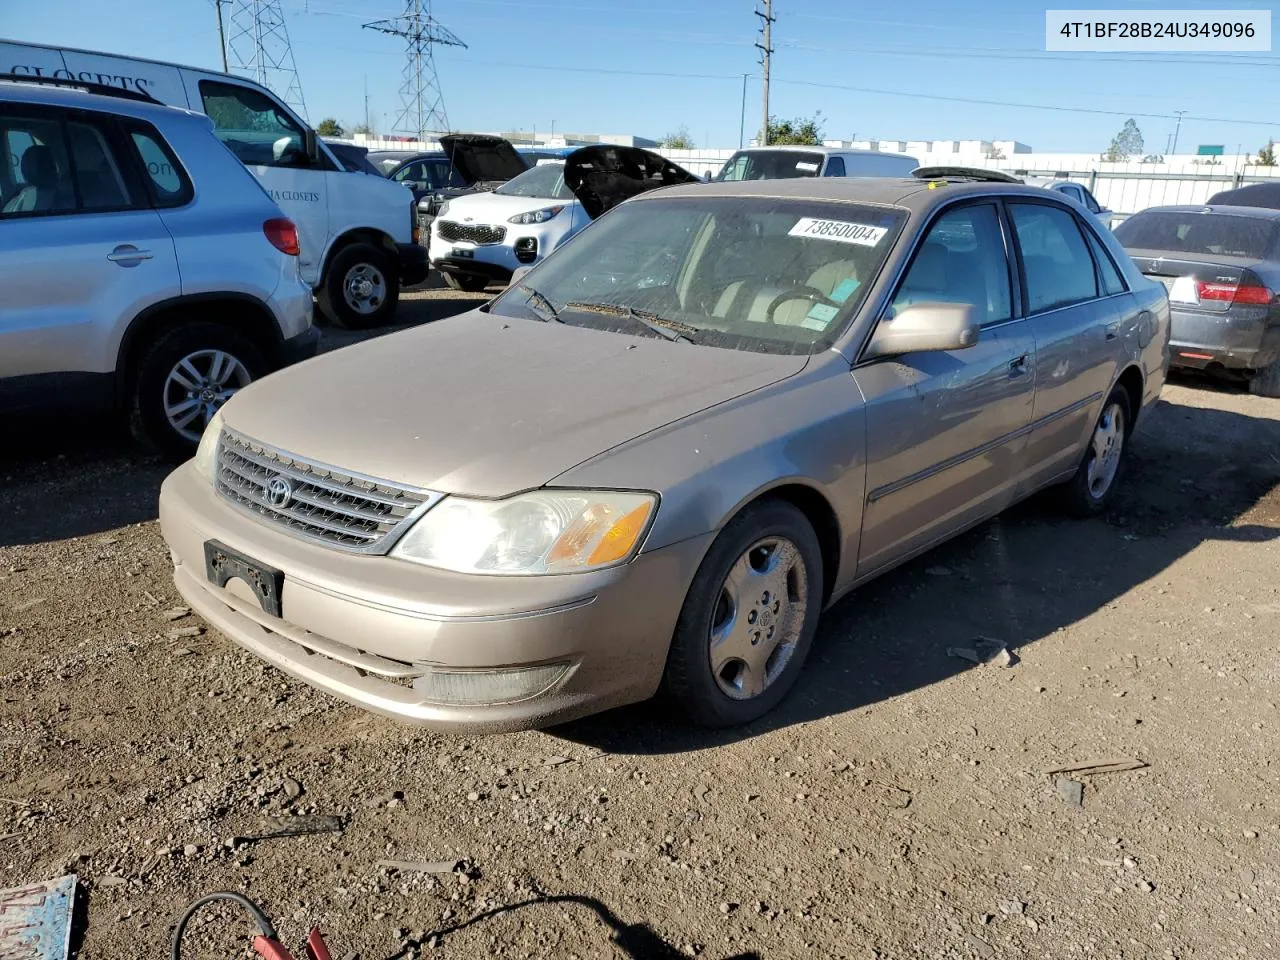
pixel 15 91
pixel 843 151
pixel 918 196
pixel 1260 213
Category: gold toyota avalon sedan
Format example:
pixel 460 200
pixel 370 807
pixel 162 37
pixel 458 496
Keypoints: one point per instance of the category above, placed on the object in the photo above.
pixel 651 463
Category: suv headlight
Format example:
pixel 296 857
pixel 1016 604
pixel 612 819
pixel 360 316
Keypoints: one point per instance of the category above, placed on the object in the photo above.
pixel 444 208
pixel 206 458
pixel 544 532
pixel 536 216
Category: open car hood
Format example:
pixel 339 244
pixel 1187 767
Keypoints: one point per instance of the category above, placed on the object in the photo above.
pixel 602 176
pixel 482 158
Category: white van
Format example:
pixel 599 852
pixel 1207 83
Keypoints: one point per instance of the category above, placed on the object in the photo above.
pixel 785 161
pixel 358 234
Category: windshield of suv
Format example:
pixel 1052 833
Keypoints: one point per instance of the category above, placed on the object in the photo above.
pixel 762 274
pixel 771 165
pixel 545 181
pixel 1193 232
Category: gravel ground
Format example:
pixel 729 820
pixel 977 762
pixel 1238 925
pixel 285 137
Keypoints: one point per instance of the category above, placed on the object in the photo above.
pixel 898 805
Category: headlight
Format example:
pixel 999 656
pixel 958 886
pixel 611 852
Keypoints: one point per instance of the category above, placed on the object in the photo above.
pixel 536 216
pixel 444 208
pixel 545 532
pixel 206 458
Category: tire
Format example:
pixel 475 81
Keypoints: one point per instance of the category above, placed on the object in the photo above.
pixel 164 413
pixel 703 678
pixel 1088 492
pixel 467 282
pixel 361 287
pixel 1266 382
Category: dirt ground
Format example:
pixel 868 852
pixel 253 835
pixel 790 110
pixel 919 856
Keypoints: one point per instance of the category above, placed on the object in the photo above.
pixel 898 805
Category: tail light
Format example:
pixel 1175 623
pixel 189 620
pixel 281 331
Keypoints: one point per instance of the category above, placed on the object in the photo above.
pixel 283 235
pixel 1234 293
pixel 415 223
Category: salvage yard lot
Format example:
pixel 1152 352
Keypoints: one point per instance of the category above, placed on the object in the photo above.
pixel 897 805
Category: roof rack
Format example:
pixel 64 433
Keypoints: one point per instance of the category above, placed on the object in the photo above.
pixel 963 173
pixel 88 86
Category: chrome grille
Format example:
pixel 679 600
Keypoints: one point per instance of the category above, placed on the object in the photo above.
pixel 481 234
pixel 314 501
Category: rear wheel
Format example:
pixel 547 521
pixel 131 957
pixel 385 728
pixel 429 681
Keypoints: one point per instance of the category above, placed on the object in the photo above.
pixel 1266 382
pixel 470 283
pixel 360 288
pixel 182 380
pixel 749 618
pixel 1089 491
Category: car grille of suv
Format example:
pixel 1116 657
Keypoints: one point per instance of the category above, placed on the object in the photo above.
pixel 313 501
pixel 481 234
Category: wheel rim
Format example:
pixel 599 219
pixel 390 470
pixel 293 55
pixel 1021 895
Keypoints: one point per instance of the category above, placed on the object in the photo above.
pixel 364 288
pixel 758 618
pixel 1105 449
pixel 197 386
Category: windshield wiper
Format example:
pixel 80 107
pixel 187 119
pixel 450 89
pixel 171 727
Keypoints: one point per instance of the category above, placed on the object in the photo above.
pixel 667 329
pixel 543 309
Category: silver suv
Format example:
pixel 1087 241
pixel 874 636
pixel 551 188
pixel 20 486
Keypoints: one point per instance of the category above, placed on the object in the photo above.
pixel 144 267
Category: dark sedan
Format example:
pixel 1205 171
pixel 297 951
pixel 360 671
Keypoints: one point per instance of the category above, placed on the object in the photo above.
pixel 1221 266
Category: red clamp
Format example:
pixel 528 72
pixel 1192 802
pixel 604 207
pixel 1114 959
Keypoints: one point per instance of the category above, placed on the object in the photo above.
pixel 269 948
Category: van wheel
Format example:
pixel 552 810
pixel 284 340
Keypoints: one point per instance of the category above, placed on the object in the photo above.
pixel 1090 490
pixel 749 618
pixel 360 288
pixel 182 380
pixel 467 282
pixel 1266 382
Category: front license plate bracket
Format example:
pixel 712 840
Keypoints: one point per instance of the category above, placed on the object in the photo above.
pixel 222 564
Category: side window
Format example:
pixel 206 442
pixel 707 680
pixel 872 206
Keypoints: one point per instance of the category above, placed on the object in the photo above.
pixel 835 167
pixel 962 260
pixel 1112 282
pixel 37 176
pixel 97 172
pixel 1058 266
pixel 1090 203
pixel 253 126
pixel 411 173
pixel 166 181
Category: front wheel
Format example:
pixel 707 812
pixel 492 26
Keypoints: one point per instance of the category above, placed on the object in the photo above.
pixel 1090 490
pixel 360 289
pixel 749 618
pixel 182 380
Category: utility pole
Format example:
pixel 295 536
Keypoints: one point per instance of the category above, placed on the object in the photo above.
pixel 766 50
pixel 742 118
pixel 1177 128
pixel 421 100
pixel 222 36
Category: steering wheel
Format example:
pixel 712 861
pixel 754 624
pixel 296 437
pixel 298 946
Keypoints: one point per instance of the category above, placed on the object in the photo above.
pixel 803 292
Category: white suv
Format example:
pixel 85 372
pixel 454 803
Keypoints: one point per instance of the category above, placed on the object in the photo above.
pixel 144 267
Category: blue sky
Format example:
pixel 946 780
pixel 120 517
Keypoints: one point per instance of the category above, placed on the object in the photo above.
pixel 626 66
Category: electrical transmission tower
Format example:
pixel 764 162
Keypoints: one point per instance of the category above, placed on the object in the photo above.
pixel 421 100
pixel 256 44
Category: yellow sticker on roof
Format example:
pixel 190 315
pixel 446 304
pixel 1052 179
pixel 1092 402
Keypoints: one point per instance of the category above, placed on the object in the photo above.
pixel 841 231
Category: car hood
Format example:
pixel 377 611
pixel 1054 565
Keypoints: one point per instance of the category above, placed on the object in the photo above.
pixel 489 406
pixel 602 176
pixel 496 207
pixel 482 158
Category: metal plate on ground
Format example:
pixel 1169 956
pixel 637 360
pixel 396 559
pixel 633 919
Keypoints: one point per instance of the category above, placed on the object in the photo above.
pixel 35 921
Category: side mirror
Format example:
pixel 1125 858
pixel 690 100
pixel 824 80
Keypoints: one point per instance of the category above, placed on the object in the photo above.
pixel 924 327
pixel 519 274
pixel 310 145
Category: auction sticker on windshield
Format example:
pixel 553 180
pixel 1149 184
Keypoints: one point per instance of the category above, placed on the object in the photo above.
pixel 842 231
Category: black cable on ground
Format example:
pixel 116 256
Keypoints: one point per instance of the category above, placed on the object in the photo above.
pixel 260 918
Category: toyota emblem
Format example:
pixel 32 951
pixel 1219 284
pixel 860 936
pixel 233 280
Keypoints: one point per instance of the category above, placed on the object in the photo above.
pixel 279 492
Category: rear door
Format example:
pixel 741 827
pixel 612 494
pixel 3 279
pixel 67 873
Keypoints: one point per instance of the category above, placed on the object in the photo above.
pixel 946 431
pixel 80 245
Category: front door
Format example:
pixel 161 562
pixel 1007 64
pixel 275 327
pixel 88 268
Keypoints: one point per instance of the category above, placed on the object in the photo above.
pixel 946 430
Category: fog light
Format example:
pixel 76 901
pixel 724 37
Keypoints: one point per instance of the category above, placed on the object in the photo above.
pixel 475 687
pixel 527 249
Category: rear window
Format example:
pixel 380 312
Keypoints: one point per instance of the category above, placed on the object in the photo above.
pixel 1211 234
pixel 771 165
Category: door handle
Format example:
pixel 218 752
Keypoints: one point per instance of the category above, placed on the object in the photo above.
pixel 1018 366
pixel 128 254
pixel 1113 330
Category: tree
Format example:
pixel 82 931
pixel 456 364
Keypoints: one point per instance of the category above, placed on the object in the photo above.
pixel 329 127
pixel 679 140
pixel 1267 155
pixel 995 153
pixel 802 130
pixel 363 129
pixel 1124 144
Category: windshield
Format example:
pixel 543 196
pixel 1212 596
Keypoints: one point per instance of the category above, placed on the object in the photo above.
pixel 766 275
pixel 771 165
pixel 545 182
pixel 1205 234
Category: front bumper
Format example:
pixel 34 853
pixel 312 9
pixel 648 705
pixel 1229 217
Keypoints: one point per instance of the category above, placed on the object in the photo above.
pixel 414 265
pixel 362 628
pixel 498 261
pixel 1242 338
